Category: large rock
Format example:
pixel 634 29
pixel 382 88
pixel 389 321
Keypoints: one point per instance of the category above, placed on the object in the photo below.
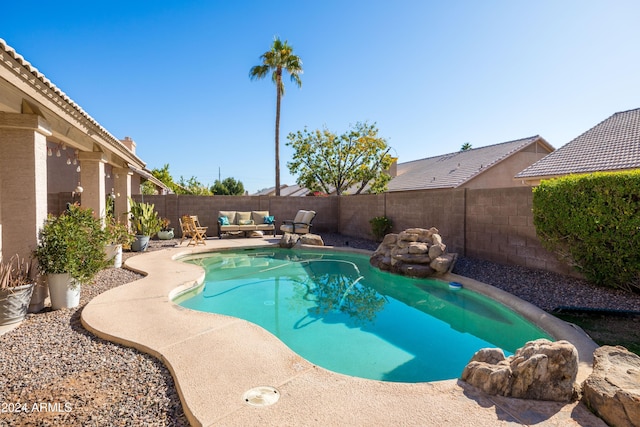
pixel 612 390
pixel 311 239
pixel 415 252
pixel 541 370
pixel 288 240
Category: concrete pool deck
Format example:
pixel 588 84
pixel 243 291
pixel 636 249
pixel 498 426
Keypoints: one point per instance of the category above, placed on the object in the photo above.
pixel 216 359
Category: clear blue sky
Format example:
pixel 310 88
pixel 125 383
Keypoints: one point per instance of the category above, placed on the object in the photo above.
pixel 174 75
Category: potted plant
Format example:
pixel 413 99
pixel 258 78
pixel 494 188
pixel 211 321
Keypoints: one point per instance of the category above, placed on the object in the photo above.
pixel 16 288
pixel 70 253
pixel 146 223
pixel 118 236
pixel 166 232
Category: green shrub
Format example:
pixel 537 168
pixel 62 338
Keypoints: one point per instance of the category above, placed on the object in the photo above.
pixel 593 222
pixel 380 226
pixel 72 243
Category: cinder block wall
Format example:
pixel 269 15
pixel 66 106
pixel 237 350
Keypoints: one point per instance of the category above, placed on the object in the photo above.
pixel 499 228
pixel 492 224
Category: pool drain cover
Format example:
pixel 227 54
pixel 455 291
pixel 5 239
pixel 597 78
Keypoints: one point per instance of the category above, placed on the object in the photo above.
pixel 261 396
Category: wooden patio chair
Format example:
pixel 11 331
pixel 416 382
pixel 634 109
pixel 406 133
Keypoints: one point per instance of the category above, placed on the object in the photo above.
pixel 191 230
pixel 202 229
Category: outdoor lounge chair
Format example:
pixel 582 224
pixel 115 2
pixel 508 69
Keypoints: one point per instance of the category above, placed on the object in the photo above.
pixel 301 224
pixel 191 230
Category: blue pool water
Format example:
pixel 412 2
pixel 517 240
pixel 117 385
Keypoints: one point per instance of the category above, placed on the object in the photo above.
pixel 338 312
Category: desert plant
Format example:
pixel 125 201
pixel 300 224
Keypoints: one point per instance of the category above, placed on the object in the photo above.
pixel 380 226
pixel 16 272
pixel 118 233
pixel 165 222
pixel 593 222
pixel 72 243
pixel 144 218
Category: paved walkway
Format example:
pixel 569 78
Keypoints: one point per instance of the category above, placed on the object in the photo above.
pixel 217 359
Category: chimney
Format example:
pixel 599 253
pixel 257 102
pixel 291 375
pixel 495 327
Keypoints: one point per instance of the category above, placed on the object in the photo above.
pixel 129 143
pixel 393 169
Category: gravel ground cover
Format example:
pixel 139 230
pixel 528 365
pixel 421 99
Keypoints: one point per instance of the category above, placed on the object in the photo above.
pixel 53 372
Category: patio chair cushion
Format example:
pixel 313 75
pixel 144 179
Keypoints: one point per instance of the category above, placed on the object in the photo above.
pixel 258 216
pixel 223 220
pixel 269 219
pixel 299 216
pixel 308 216
pixel 242 217
pixel 231 216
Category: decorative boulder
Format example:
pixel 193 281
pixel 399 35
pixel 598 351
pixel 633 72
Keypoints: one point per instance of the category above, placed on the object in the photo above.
pixel 612 390
pixel 414 252
pixel 541 370
pixel 311 239
pixel 288 240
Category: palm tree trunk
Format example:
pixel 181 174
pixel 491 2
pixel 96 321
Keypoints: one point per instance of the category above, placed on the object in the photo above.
pixel 278 96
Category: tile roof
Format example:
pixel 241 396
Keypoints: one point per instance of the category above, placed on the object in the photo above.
pixel 454 169
pixel 285 190
pixel 613 144
pixel 40 82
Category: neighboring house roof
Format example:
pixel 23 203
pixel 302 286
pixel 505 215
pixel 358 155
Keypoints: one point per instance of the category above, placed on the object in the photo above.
pixel 613 144
pixel 455 169
pixel 285 190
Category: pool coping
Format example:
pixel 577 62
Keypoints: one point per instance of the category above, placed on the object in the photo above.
pixel 215 359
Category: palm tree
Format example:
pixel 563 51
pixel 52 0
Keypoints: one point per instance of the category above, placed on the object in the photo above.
pixel 466 146
pixel 279 58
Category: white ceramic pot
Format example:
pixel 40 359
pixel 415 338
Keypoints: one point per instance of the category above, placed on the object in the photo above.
pixel 165 235
pixel 63 290
pixel 114 254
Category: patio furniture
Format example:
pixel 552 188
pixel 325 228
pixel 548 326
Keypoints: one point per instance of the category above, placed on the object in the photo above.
pixel 301 224
pixel 191 230
pixel 202 229
pixel 245 222
pixel 188 230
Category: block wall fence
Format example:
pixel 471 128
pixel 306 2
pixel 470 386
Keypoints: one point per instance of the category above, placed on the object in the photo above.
pixel 490 224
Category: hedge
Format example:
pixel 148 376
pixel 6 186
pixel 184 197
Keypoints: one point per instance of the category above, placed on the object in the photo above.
pixel 593 222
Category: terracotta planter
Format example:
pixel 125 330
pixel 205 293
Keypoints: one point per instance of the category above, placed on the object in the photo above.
pixel 64 291
pixel 14 303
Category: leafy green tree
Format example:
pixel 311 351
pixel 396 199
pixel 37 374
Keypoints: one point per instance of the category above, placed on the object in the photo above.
pixel 164 176
pixel 183 186
pixel 325 161
pixel 193 186
pixel 466 146
pixel 148 189
pixel 228 187
pixel 280 58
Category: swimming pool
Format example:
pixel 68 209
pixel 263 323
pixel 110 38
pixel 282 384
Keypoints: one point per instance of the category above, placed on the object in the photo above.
pixel 338 312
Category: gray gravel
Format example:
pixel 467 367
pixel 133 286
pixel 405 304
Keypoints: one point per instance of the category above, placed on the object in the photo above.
pixel 51 359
